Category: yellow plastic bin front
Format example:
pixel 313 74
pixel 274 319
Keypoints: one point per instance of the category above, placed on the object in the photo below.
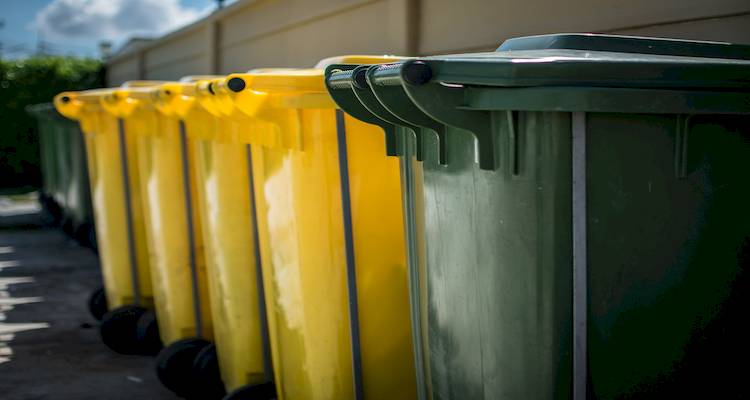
pixel 173 228
pixel 332 244
pixel 121 234
pixel 223 186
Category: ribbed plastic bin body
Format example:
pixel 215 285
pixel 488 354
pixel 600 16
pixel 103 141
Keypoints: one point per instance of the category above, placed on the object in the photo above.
pixel 46 146
pixel 578 204
pixel 223 188
pixel 116 197
pixel 171 214
pixel 47 153
pixel 78 196
pixel 332 246
pixel 64 173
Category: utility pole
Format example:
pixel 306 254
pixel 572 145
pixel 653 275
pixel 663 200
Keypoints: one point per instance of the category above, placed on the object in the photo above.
pixel 105 49
pixel 220 4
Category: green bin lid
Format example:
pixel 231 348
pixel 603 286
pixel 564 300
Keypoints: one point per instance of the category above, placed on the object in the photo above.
pixel 568 72
pixel 596 61
pixel 628 44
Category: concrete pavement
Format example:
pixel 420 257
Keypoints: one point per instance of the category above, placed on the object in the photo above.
pixel 49 344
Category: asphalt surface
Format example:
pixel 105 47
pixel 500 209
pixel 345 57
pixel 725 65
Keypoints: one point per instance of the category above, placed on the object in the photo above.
pixel 49 344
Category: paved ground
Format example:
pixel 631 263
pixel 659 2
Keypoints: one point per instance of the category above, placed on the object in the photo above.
pixel 49 345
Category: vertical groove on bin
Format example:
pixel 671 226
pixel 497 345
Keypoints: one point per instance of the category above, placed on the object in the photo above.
pixel 580 253
pixel 129 212
pixel 351 273
pixel 267 362
pixel 410 231
pixel 190 230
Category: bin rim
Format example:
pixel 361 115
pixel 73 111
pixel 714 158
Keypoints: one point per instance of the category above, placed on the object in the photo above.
pixel 357 59
pixel 178 98
pixel 40 108
pixel 460 90
pixel 296 80
pixel 585 60
pixel 195 78
pixel 628 44
pixel 141 83
pixel 75 104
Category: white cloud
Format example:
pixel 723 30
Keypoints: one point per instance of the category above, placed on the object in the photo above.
pixel 113 19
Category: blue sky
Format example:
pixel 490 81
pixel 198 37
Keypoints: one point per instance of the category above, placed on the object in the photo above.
pixel 76 27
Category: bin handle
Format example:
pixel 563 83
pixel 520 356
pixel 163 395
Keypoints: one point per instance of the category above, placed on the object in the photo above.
pixel 365 95
pixel 444 103
pixel 387 88
pixel 287 122
pixel 339 81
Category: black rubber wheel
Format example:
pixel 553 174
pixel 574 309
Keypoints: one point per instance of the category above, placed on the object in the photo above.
pixel 67 226
pixel 263 391
pixel 174 365
pixel 91 239
pixel 98 304
pixel 206 374
pixel 84 235
pixel 51 208
pixel 119 329
pixel 147 333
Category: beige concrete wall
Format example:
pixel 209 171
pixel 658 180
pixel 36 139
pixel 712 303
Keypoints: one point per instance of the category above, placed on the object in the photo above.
pixel 301 32
pixel 733 29
pixel 179 55
pixel 123 70
pixel 289 33
pixel 453 26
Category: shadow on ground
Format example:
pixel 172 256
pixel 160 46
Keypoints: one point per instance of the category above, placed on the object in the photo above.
pixel 49 344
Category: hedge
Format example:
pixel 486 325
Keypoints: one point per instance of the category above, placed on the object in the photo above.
pixel 30 81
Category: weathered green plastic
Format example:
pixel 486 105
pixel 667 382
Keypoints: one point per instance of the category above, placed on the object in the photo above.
pixel 64 170
pixel 667 147
pixel 628 44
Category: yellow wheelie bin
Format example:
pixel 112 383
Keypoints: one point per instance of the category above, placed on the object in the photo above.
pixel 173 230
pixel 224 190
pixel 112 159
pixel 331 240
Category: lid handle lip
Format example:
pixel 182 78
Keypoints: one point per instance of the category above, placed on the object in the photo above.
pixel 416 73
pixel 337 78
pixel 627 44
pixel 359 77
pixel 339 82
pixel 397 102
pixel 413 72
pixel 443 103
pixel 235 84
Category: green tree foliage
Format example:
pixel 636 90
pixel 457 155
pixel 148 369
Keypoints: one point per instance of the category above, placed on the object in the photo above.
pixel 31 81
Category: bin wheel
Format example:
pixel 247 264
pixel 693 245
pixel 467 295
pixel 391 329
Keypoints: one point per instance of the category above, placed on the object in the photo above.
pixel 91 240
pixel 147 333
pixel 174 365
pixel 84 234
pixel 67 227
pixel 263 391
pixel 118 329
pixel 206 374
pixel 52 210
pixel 98 303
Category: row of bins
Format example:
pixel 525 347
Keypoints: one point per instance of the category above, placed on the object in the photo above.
pixel 562 218
pixel 64 192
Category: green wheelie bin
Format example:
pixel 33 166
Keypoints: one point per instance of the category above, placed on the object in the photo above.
pixel 578 212
pixel 47 151
pixel 64 172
